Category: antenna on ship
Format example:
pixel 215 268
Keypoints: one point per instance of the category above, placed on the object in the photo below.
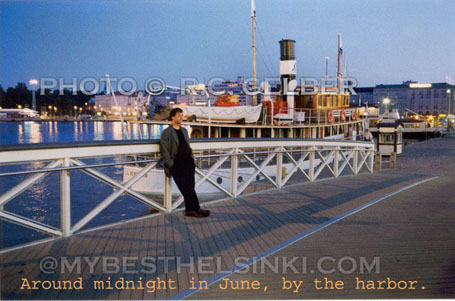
pixel 253 21
pixel 326 67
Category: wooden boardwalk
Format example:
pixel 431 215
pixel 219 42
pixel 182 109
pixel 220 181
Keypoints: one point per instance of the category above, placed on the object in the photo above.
pixel 411 231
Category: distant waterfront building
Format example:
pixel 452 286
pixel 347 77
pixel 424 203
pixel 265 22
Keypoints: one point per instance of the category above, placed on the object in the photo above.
pixel 17 113
pixel 126 105
pixel 421 98
pixel 364 97
pixel 168 96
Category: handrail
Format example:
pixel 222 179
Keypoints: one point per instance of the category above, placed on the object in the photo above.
pixel 14 147
pixel 55 151
pixel 152 160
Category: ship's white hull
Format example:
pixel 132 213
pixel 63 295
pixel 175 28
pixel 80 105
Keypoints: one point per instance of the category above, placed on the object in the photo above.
pixel 223 114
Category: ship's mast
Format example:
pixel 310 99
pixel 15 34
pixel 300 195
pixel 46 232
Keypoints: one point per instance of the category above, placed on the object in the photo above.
pixel 339 62
pixel 253 20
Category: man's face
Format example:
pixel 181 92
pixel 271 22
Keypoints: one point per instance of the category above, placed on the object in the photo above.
pixel 178 118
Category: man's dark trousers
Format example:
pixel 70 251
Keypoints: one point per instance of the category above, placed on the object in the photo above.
pixel 183 174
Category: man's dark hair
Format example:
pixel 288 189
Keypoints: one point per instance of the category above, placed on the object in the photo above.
pixel 174 111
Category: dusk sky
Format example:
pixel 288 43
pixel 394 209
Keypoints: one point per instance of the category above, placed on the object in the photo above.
pixel 386 41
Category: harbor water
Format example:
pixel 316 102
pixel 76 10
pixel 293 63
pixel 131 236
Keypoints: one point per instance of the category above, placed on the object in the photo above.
pixel 41 202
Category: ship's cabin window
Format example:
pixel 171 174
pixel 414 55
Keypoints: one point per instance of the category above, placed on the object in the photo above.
pixel 330 100
pixel 347 100
pixel 387 138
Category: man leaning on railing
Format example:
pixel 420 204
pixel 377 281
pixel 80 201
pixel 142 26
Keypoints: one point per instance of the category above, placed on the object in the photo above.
pixel 178 159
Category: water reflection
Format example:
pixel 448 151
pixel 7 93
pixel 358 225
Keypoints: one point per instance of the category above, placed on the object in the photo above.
pixel 54 123
pixel 76 131
pixel 32 132
pixel 53 131
pixel 117 130
pixel 21 133
pixel 99 129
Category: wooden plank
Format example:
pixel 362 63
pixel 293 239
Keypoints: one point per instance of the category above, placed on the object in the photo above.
pixel 236 232
pixel 258 243
pixel 147 248
pixel 159 251
pixel 110 251
pixel 26 265
pixel 171 275
pixel 93 249
pixel 134 235
pixel 89 243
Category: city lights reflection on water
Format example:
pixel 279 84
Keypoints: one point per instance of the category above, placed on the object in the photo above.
pixel 53 131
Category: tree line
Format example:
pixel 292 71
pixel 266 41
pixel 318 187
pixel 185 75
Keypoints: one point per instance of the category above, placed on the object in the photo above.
pixel 20 95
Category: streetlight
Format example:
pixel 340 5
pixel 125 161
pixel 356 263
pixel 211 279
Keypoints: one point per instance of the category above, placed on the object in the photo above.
pixel 386 102
pixel 19 106
pixel 33 83
pixel 448 111
pixel 75 110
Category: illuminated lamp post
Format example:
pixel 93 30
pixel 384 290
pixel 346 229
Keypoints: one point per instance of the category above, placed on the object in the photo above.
pixel 33 83
pixel 448 110
pixel 386 102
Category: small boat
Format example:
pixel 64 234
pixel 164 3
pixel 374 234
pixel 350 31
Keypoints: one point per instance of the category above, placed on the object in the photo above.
pixel 412 128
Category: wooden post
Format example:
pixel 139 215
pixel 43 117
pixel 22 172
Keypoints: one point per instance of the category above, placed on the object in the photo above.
pixel 393 159
pixel 377 161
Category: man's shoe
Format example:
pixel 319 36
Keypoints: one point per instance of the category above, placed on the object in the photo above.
pixel 194 214
pixel 203 212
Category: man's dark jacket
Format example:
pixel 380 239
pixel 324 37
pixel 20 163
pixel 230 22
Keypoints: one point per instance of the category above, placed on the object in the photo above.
pixel 169 147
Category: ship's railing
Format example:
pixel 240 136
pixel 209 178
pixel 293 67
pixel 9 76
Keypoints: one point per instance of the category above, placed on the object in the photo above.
pixel 318 116
pixel 243 163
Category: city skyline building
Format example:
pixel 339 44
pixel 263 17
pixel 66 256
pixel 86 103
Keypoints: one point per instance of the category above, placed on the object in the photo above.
pixel 409 96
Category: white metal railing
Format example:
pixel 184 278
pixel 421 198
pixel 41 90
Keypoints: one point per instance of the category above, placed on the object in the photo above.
pixel 258 157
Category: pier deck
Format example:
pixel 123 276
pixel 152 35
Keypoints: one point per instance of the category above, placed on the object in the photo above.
pixel 403 216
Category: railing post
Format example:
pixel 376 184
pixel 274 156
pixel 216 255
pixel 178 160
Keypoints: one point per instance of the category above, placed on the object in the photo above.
pixel 279 167
pixel 393 160
pixel 356 160
pixel 371 160
pixel 167 194
pixel 335 161
pixel 311 164
pixel 234 165
pixel 65 199
pixel 377 161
